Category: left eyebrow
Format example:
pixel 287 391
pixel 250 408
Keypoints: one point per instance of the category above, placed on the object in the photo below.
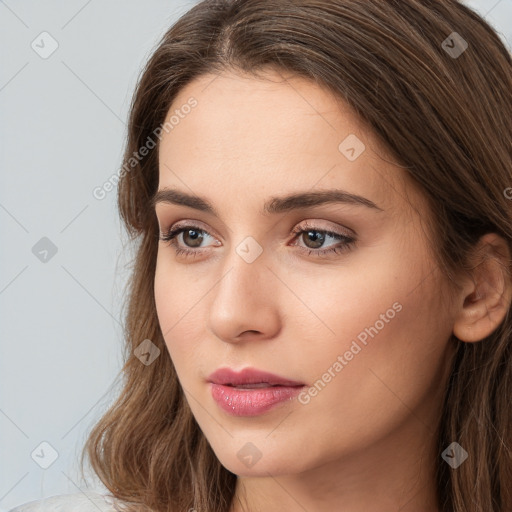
pixel 274 205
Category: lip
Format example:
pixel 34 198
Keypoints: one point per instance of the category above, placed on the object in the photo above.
pixel 227 376
pixel 250 401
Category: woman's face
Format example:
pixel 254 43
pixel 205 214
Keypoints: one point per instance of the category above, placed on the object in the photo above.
pixel 362 328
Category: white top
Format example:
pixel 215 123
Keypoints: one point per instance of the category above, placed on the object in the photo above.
pixel 79 502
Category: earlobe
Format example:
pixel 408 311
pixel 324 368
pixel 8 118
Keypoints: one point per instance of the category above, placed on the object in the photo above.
pixel 486 297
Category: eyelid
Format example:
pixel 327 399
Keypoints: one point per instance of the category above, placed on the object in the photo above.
pixel 187 223
pixel 301 226
pixel 338 230
pixel 346 236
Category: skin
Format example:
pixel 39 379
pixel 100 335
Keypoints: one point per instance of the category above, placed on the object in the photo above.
pixel 366 440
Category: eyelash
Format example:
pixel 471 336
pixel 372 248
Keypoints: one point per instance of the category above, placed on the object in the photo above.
pixel 347 241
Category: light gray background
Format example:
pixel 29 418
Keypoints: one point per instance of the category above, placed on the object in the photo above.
pixel 62 134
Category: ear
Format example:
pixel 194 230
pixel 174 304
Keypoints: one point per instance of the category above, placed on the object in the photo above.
pixel 486 293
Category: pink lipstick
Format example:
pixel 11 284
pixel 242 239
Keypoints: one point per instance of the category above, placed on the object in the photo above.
pixel 250 392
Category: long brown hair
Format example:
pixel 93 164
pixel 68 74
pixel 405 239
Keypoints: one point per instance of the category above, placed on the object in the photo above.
pixel 444 113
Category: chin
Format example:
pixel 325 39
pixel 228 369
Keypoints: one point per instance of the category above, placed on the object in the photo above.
pixel 250 461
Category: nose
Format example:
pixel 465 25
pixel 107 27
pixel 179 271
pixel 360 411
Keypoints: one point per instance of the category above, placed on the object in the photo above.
pixel 244 303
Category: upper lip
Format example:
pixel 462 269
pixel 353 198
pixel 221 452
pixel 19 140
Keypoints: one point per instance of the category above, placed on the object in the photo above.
pixel 227 376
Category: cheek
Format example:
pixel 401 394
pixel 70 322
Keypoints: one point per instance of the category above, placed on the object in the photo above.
pixel 165 296
pixel 381 309
pixel 368 298
pixel 386 356
pixel 175 291
pixel 177 300
pixel 175 316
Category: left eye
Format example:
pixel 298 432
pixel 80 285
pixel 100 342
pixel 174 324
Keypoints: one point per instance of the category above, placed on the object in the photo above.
pixel 195 236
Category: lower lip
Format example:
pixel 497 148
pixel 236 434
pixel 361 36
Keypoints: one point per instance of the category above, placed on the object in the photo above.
pixel 251 402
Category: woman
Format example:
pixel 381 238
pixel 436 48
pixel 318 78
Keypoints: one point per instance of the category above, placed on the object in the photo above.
pixel 319 313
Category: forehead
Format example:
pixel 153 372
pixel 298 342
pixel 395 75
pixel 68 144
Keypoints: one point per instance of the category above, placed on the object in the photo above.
pixel 251 137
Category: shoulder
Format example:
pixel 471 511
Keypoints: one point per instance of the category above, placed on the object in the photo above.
pixel 79 502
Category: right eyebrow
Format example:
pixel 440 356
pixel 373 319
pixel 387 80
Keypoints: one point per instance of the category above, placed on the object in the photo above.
pixel 274 205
